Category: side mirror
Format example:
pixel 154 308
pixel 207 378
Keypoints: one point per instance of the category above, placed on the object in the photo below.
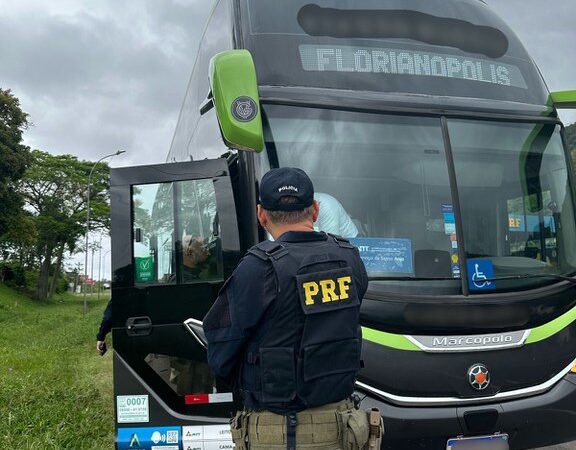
pixel 563 99
pixel 235 95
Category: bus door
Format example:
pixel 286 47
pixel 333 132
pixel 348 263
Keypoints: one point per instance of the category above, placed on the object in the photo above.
pixel 174 242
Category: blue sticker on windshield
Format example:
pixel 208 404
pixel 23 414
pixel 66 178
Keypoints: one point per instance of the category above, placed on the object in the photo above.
pixel 148 438
pixel 480 271
pixel 385 254
pixel 449 217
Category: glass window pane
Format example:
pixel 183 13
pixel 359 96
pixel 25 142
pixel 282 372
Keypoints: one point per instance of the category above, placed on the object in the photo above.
pixel 184 376
pixel 199 232
pixel 517 207
pixel 153 207
pixel 381 180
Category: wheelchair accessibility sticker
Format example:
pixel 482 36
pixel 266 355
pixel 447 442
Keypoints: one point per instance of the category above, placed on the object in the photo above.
pixel 480 271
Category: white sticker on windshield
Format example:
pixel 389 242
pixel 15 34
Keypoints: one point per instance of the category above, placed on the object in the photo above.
pixel 385 254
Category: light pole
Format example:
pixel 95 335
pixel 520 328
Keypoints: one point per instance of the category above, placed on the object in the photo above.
pixel 84 305
pixel 99 265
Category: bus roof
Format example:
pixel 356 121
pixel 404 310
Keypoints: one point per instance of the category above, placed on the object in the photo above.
pixel 457 48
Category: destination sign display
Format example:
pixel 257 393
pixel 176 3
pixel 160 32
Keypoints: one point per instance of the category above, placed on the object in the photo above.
pixel 330 58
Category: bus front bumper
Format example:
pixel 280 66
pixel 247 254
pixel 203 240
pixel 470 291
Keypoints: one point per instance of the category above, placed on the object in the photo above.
pixel 538 421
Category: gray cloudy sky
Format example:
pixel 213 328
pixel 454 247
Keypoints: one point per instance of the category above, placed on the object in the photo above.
pixel 96 76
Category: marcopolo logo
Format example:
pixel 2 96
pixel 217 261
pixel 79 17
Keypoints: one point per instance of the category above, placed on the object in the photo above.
pixel 472 340
pixel 244 109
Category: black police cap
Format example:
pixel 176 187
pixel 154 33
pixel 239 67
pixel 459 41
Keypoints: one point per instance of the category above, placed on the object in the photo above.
pixel 286 182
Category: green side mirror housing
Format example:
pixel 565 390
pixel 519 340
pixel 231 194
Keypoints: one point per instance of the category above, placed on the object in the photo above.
pixel 563 99
pixel 235 95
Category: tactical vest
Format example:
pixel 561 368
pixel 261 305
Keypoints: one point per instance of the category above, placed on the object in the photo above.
pixel 306 353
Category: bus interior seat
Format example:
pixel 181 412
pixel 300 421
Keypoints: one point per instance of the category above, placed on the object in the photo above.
pixel 432 264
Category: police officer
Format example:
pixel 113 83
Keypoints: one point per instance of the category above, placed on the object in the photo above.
pixel 105 328
pixel 284 331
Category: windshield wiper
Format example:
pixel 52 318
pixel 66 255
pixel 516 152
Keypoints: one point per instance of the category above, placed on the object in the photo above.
pixel 410 278
pixel 526 276
pixel 523 276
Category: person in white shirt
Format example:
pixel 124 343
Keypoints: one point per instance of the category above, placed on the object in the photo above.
pixel 333 217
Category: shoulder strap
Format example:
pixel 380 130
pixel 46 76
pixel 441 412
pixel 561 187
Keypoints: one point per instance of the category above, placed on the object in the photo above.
pixel 267 250
pixel 270 251
pixel 342 242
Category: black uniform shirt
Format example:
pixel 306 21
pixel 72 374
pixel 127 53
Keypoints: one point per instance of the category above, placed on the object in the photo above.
pixel 240 307
pixel 106 324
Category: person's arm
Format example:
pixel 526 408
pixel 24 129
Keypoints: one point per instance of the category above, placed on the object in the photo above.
pixel 347 226
pixel 105 327
pixel 236 312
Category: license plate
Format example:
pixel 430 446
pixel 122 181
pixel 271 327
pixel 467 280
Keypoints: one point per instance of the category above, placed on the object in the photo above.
pixel 494 442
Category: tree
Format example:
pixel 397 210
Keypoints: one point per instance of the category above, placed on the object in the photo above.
pixel 55 189
pixel 19 241
pixel 14 156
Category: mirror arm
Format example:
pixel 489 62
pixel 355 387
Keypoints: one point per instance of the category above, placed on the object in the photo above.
pixel 207 105
pixel 563 99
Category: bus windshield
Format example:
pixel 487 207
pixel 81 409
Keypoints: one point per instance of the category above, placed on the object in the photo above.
pixel 383 181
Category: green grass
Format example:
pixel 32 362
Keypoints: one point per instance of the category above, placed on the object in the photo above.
pixel 55 390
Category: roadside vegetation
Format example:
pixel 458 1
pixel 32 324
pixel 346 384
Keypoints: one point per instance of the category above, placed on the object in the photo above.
pixel 43 208
pixel 55 390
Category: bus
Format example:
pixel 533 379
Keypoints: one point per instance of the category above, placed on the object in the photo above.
pixel 435 147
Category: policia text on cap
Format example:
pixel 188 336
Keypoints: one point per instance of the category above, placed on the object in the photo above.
pixel 284 331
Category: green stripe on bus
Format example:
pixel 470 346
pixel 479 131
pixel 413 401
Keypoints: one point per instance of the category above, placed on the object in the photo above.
pixel 545 331
pixel 401 342
pixel 396 341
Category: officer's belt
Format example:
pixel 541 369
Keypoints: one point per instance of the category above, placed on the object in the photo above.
pixel 315 425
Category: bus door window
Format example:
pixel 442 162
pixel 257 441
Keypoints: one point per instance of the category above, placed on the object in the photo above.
pixel 199 232
pixel 176 233
pixel 153 229
pixel 183 375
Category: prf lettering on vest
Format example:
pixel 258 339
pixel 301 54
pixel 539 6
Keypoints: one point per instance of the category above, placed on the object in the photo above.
pixel 332 290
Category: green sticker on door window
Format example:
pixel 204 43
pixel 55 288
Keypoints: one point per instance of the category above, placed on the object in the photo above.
pixel 144 269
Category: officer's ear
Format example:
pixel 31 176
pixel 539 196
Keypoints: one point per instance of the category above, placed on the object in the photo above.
pixel 315 210
pixel 262 217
